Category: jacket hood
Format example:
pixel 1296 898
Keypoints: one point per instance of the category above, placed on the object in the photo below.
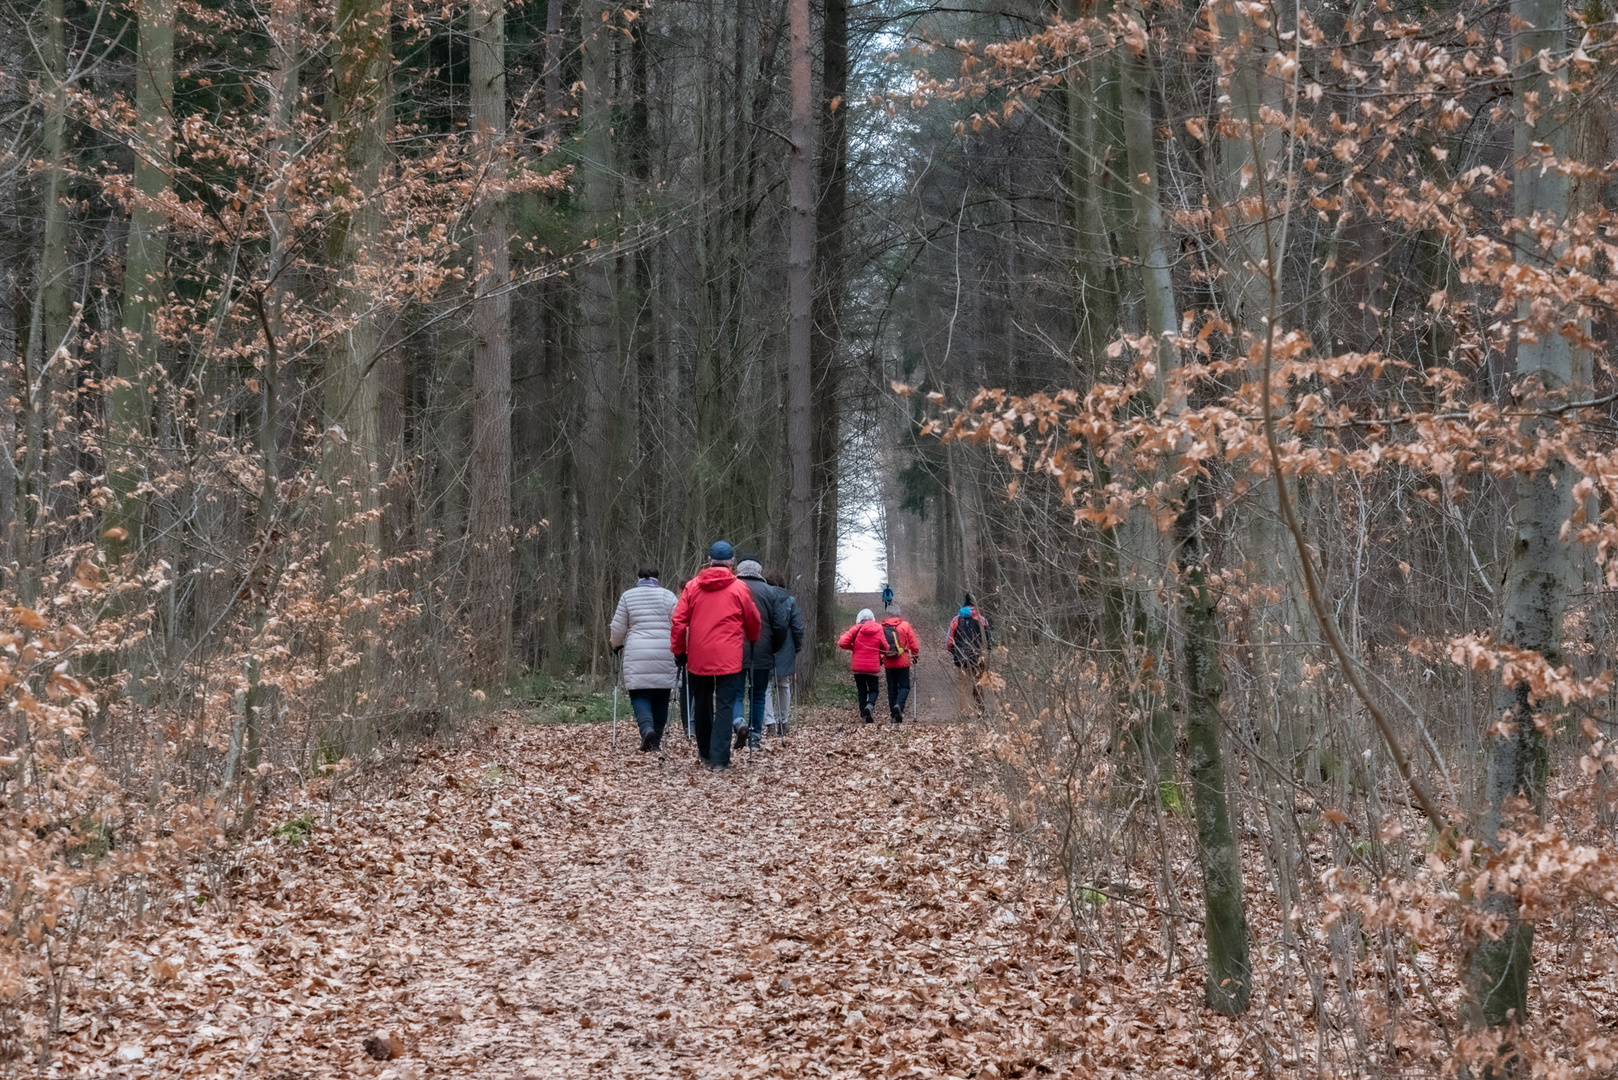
pixel 715 578
pixel 966 612
pixel 892 620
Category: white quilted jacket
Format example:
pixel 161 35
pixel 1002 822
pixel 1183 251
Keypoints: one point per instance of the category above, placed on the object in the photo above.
pixel 641 626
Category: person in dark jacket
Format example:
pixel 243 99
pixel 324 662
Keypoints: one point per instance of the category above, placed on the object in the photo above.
pixel 758 659
pixel 968 644
pixel 778 706
pixel 711 626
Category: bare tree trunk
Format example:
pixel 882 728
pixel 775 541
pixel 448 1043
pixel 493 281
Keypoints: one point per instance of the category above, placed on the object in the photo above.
pixel 1230 979
pixel 602 370
pixel 802 555
pixel 1516 755
pixel 362 107
pixel 145 276
pixel 48 326
pixel 491 582
pixel 553 70
pixel 1141 557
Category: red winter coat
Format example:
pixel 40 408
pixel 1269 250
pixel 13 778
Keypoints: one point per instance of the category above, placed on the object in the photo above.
pixel 908 645
pixel 864 640
pixel 715 612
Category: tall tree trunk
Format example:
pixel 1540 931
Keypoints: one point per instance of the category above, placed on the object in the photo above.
pixel 491 582
pixel 602 370
pixel 831 212
pixel 145 277
pixel 1230 978
pixel 361 104
pixel 1141 557
pixel 1516 756
pixel 553 70
pixel 1095 276
pixel 802 555
pixel 1249 167
pixel 49 322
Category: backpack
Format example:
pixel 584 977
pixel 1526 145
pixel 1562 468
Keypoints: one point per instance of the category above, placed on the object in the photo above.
pixel 890 643
pixel 968 638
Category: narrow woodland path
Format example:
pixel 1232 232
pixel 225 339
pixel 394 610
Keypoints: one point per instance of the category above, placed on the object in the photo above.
pixel 538 906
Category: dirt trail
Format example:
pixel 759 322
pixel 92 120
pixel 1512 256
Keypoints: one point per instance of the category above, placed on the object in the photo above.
pixel 538 906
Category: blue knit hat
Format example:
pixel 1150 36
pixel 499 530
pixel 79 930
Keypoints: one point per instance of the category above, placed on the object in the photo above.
pixel 721 552
pixel 966 611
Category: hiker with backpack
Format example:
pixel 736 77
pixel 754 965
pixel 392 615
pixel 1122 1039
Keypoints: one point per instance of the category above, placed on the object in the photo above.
pixel 758 657
pixel 864 640
pixel 778 706
pixel 900 648
pixel 640 627
pixel 968 644
pixel 713 620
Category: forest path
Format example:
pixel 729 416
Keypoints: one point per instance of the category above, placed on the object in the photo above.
pixel 540 905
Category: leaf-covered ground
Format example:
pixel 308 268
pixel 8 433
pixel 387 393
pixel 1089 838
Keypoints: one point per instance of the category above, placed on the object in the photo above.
pixel 847 904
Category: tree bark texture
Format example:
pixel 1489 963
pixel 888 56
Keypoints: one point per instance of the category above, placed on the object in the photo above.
pixel 602 368
pixel 490 582
pixel 145 275
pixel 1230 977
pixel 1516 757
pixel 362 107
pixel 1142 563
pixel 802 554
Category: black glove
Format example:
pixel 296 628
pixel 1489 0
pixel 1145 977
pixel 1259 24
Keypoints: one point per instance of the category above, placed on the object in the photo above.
pixel 679 660
pixel 617 648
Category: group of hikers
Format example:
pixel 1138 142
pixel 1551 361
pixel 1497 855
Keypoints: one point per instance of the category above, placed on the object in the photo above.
pixel 729 644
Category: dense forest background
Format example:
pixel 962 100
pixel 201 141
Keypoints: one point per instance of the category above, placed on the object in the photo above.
pixel 1247 362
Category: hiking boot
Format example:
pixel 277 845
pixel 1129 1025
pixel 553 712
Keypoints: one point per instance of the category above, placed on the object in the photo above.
pixel 741 739
pixel 657 742
pixel 898 716
pixel 755 743
pixel 647 743
pixel 866 717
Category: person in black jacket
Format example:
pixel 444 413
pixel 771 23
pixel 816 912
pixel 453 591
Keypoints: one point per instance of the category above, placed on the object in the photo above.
pixel 786 657
pixel 758 657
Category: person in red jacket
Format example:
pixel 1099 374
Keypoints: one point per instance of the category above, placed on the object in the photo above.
pixel 864 640
pixel 714 616
pixel 899 648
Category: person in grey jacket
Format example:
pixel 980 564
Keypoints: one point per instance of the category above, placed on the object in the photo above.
pixel 778 707
pixel 640 627
pixel 758 657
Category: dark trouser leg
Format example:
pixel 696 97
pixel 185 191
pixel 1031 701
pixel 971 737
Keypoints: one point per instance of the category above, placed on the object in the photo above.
pixel 898 690
pixel 760 690
pixel 702 691
pixel 726 687
pixel 659 702
pixel 867 687
pixel 641 702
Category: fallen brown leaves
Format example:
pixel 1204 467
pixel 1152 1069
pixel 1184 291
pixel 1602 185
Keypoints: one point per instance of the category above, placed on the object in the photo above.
pixel 850 904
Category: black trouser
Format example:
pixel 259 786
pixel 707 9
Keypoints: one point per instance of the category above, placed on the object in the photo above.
pixel 713 695
pixel 898 688
pixel 651 708
pixel 868 687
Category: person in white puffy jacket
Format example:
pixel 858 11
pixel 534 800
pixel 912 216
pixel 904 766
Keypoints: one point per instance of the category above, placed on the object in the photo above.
pixel 640 627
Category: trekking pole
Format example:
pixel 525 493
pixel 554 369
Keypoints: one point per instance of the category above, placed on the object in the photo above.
pixel 615 663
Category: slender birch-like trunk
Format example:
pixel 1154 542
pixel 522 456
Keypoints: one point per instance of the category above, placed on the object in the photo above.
pixel 1516 754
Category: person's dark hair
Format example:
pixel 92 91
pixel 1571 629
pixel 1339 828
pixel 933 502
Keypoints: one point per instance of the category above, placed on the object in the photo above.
pixel 774 578
pixel 749 557
pixel 647 570
pixel 969 601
